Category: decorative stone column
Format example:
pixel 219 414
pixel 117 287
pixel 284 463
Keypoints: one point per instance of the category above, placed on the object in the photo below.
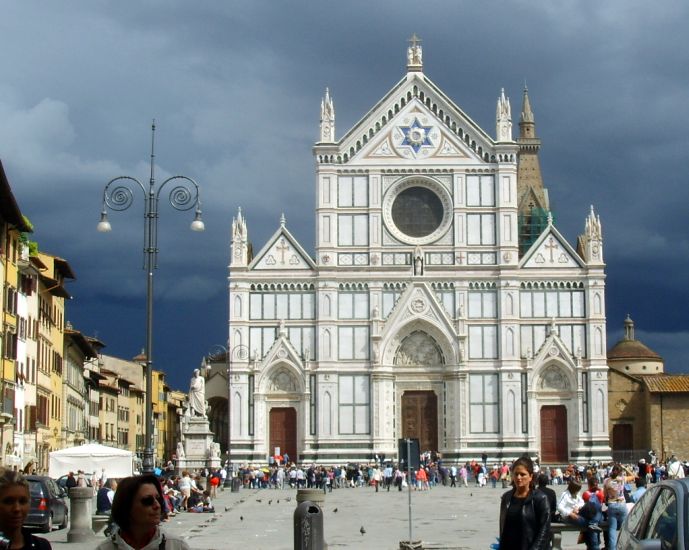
pixel 80 514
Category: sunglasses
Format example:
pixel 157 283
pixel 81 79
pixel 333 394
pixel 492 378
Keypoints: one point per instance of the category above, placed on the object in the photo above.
pixel 149 500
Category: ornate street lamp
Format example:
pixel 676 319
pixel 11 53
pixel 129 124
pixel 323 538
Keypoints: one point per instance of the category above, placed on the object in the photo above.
pixel 119 196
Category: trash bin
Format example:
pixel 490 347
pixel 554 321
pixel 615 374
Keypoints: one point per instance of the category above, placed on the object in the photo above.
pixel 308 527
pixel 236 484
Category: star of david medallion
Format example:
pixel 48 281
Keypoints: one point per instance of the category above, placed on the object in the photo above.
pixel 416 135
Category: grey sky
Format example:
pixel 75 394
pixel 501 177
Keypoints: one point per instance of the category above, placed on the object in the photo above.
pixel 235 88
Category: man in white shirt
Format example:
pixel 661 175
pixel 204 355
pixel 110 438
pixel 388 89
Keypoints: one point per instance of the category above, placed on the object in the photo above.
pixel 675 470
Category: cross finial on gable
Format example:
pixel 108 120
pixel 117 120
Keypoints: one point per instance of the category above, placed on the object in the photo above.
pixel 414 54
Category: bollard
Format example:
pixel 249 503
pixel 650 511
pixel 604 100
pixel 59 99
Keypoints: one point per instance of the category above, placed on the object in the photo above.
pixel 308 527
pixel 236 484
pixel 80 512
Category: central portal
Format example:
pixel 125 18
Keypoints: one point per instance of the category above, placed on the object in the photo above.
pixel 283 431
pixel 420 418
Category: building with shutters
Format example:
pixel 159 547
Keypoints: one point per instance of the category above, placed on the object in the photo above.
pixel 440 301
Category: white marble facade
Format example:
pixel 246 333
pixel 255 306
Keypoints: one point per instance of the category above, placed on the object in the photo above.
pixel 417 285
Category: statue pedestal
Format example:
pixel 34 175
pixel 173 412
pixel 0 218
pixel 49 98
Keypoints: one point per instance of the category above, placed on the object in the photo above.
pixel 198 445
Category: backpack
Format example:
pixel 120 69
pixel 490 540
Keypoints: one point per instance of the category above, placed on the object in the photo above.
pixel 591 508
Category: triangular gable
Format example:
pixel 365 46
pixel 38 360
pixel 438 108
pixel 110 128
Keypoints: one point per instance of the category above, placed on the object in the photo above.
pixel 282 350
pixel 282 251
pixel 551 250
pixel 553 347
pixel 554 356
pixel 415 87
pixel 418 303
pixel 416 134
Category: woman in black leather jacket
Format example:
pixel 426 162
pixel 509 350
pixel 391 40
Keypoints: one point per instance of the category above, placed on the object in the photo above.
pixel 524 511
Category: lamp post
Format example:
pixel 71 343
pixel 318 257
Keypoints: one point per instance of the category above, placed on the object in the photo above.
pixel 119 196
pixel 242 353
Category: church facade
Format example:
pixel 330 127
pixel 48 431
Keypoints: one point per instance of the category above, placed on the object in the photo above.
pixel 441 302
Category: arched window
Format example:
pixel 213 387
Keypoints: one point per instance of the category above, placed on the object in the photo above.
pixel 326 344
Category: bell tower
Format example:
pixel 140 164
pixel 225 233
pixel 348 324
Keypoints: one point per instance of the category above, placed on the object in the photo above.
pixel 533 202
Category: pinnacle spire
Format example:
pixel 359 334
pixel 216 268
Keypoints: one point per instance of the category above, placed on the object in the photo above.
pixel 327 118
pixel 503 118
pixel 527 113
pixel 240 241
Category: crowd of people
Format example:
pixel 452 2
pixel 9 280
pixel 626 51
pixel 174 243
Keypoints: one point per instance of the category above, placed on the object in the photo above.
pixel 595 495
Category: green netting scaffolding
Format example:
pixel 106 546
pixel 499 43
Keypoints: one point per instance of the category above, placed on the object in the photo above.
pixel 531 226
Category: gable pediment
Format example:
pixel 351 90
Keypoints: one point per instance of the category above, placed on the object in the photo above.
pixel 377 136
pixel 282 350
pixel 281 252
pixel 418 301
pixel 551 250
pixel 554 366
pixel 415 134
pixel 554 349
pixel 418 309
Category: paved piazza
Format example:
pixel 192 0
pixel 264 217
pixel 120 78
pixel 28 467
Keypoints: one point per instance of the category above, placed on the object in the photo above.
pixel 444 517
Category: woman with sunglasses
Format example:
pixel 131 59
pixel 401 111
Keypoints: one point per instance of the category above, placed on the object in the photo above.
pixel 14 507
pixel 137 510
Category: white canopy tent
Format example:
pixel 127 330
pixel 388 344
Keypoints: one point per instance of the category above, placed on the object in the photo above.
pixel 91 458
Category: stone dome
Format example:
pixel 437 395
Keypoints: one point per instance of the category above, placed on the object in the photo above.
pixel 632 349
pixel 632 356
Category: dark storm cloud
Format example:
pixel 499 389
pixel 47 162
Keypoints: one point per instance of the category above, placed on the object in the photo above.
pixel 235 88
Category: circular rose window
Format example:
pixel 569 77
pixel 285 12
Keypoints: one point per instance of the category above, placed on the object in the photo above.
pixel 417 210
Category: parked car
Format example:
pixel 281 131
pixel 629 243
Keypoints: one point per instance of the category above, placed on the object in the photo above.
pixel 48 504
pixel 660 520
pixel 62 482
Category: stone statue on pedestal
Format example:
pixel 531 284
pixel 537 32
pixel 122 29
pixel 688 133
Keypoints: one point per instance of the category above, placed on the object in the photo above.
pixel 197 395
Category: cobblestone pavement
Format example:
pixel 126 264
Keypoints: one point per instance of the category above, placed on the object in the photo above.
pixel 253 519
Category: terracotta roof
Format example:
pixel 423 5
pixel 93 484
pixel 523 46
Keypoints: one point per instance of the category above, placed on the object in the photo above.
pixel 54 287
pixel 667 383
pixel 84 344
pixel 632 349
pixel 9 210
